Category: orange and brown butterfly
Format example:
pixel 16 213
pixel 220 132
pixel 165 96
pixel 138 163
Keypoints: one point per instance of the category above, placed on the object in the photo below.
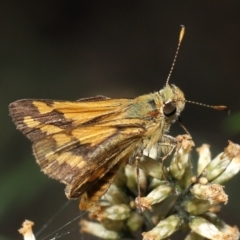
pixel 83 143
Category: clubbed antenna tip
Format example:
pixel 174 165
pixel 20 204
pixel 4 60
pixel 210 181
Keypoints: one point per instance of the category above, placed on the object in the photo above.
pixel 219 108
pixel 176 54
pixel 222 108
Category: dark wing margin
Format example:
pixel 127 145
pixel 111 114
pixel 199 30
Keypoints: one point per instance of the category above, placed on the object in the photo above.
pixel 29 120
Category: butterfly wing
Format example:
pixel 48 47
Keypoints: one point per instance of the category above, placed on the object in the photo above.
pixel 79 144
pixel 40 118
pixel 85 159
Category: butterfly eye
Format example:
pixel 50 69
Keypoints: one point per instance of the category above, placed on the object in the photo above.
pixel 169 109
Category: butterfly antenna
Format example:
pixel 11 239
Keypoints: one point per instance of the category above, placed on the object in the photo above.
pixel 219 108
pixel 176 54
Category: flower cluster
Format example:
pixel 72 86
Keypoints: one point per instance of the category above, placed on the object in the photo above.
pixel 158 198
pixel 164 196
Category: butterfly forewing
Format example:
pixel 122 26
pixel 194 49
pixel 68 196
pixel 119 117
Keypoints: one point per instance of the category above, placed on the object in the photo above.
pixel 39 118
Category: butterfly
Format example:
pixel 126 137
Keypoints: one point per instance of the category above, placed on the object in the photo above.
pixel 84 143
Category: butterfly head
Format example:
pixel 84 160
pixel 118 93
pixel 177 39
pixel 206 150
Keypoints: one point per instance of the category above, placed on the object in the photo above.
pixel 173 101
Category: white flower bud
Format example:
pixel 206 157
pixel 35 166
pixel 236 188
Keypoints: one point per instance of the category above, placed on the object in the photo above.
pixel 180 159
pixel 164 229
pixel 204 157
pixel 98 230
pixel 113 212
pixel 234 167
pixel 212 192
pixel 155 196
pixel 206 229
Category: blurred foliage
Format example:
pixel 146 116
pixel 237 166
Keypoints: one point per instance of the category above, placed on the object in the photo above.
pixel 232 124
pixel 21 186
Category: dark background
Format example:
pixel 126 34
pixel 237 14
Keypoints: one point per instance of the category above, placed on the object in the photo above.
pixel 73 49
